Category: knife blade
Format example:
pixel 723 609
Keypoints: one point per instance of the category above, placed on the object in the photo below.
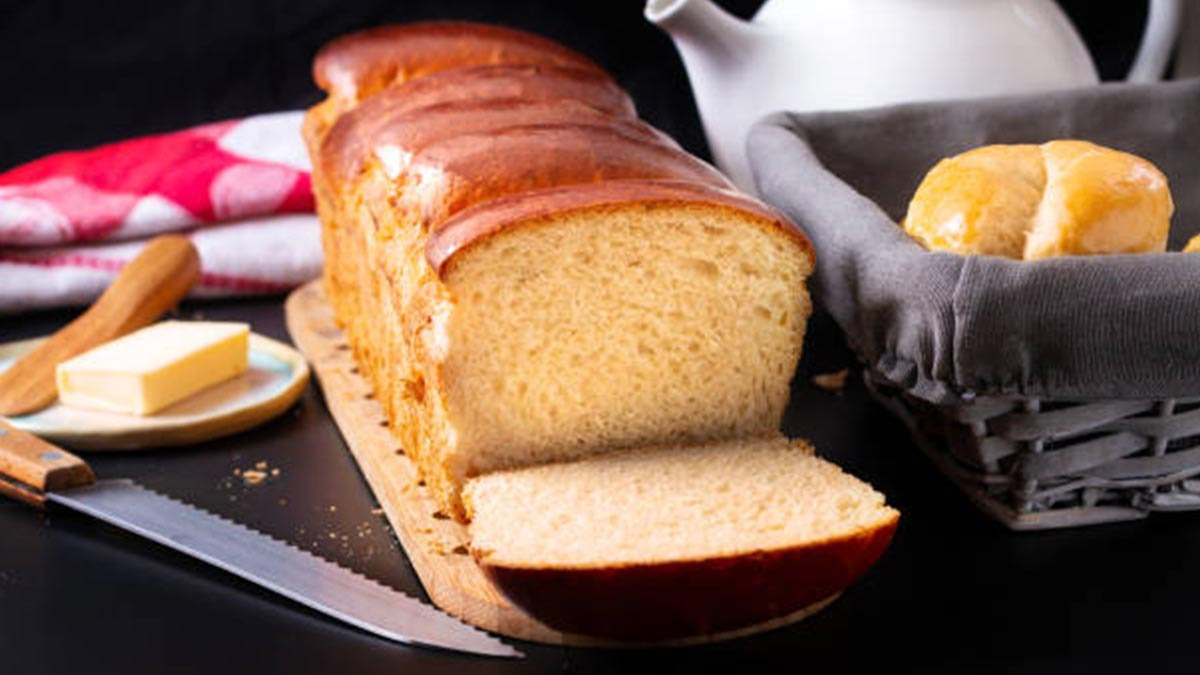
pixel 37 472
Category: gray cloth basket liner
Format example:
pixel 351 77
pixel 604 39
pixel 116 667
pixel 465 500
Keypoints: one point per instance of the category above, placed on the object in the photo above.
pixel 1054 393
pixel 948 328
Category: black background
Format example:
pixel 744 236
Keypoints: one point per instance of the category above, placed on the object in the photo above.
pixel 80 73
pixel 955 593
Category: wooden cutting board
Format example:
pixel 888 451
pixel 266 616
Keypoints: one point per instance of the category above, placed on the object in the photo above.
pixel 436 545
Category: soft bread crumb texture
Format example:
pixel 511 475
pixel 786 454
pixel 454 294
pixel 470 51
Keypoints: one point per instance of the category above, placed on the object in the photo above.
pixel 414 337
pixel 620 327
pixel 1031 202
pixel 666 505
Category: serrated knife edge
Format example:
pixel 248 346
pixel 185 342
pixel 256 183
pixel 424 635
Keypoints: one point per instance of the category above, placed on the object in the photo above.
pixel 385 611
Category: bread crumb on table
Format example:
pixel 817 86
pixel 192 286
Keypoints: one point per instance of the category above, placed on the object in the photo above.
pixel 834 383
pixel 251 477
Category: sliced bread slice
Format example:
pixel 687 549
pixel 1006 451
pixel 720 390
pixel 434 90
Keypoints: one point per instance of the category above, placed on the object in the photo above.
pixel 676 543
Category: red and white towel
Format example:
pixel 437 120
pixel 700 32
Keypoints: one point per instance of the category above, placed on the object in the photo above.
pixel 239 189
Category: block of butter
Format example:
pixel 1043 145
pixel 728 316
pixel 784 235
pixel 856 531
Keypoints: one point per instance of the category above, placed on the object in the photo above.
pixel 155 367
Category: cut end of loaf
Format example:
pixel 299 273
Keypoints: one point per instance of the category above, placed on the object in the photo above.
pixel 668 543
pixel 620 326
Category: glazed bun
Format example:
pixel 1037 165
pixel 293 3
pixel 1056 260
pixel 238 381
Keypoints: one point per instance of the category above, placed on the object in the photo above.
pixel 1030 202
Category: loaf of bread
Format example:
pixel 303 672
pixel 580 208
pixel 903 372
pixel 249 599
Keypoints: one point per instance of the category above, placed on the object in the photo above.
pixel 779 529
pixel 1030 202
pixel 529 273
pixel 530 276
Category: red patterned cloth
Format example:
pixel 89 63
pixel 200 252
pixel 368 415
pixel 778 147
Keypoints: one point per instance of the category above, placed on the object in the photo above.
pixel 69 221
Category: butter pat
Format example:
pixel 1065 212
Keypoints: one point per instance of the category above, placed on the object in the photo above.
pixel 155 367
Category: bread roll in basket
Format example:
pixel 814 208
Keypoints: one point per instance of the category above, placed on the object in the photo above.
pixel 1031 202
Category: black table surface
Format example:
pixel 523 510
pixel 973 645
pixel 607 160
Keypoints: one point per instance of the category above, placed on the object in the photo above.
pixel 955 593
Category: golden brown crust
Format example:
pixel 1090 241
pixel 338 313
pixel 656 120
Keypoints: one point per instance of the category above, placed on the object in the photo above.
pixel 355 140
pixel 689 598
pixel 506 81
pixel 356 66
pixel 464 170
pixel 472 225
pixel 349 135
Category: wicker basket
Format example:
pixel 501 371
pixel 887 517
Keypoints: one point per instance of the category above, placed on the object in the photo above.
pixel 1035 464
pixel 1081 410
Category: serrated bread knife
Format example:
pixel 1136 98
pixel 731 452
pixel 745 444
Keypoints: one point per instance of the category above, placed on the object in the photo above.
pixel 36 472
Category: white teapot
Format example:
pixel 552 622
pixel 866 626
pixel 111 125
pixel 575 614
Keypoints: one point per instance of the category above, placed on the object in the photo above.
pixel 841 54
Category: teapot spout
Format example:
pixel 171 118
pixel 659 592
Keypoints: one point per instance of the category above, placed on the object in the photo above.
pixel 698 24
pixel 717 50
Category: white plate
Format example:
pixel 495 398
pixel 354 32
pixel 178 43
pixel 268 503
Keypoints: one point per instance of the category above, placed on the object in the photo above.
pixel 276 378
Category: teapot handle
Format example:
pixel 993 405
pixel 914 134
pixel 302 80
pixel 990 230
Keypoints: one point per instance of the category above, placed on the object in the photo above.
pixel 1158 41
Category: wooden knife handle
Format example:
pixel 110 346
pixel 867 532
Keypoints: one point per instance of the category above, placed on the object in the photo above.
pixel 150 284
pixel 31 467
